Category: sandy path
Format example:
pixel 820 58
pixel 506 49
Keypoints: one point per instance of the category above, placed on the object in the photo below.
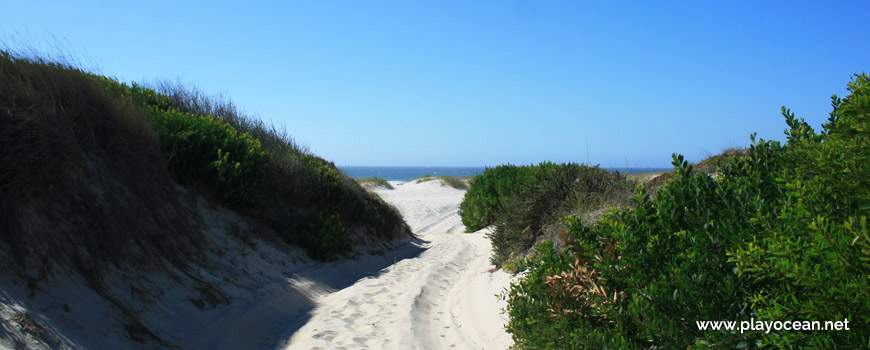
pixel 444 298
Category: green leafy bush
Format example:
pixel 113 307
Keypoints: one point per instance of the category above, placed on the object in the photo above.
pixel 811 260
pixel 779 236
pixel 202 149
pixel 325 238
pixel 490 191
pixel 520 201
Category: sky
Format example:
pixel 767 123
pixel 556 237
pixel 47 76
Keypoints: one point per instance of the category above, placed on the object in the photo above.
pixel 481 83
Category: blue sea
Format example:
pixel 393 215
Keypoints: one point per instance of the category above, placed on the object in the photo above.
pixel 408 173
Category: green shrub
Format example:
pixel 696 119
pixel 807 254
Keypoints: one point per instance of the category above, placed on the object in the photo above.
pixel 529 304
pixel 204 150
pixel 201 149
pixel 489 192
pixel 668 270
pixel 812 259
pixel 779 236
pixel 520 201
pixel 325 238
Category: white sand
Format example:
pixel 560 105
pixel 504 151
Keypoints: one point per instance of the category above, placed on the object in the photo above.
pixel 438 294
pixel 443 298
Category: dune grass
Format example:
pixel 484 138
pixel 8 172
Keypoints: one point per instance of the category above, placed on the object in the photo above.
pixel 83 176
pixel 643 177
pixel 375 181
pixel 68 129
pixel 459 183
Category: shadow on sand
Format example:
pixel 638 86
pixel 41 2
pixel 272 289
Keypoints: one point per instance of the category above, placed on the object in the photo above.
pixel 328 278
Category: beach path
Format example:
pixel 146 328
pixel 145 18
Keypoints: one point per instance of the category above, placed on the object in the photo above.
pixel 443 298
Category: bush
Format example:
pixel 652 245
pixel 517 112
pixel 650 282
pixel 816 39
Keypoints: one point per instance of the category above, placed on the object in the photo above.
pixel 325 238
pixel 781 235
pixel 490 191
pixel 812 259
pixel 521 201
pixel 204 150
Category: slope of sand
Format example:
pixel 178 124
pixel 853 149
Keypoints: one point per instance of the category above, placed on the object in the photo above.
pixel 443 298
pixel 434 292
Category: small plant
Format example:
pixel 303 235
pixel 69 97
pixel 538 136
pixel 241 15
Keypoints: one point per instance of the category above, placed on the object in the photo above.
pixel 28 325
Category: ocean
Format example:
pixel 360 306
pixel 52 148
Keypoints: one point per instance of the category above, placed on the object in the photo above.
pixel 408 173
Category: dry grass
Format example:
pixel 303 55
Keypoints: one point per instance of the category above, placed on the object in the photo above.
pixel 82 178
pixel 375 181
pixel 712 163
pixel 643 178
pixel 459 183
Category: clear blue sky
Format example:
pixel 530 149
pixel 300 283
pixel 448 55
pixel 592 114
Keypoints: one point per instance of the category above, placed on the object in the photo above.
pixel 483 82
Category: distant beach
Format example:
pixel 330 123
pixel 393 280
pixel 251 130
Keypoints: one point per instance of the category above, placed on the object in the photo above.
pixel 408 173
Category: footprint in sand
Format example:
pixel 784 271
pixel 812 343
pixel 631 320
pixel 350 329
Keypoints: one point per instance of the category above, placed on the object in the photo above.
pixel 326 335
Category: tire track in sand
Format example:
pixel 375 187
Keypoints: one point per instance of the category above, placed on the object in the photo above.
pixel 443 298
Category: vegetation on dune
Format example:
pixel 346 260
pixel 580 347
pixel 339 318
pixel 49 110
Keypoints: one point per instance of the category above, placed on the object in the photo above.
pixel 522 202
pixel 375 181
pixel 299 195
pixel 446 180
pixel 58 119
pixel 780 234
pixel 76 165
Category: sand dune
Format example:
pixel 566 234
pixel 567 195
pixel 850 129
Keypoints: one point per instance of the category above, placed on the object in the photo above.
pixel 434 292
pixel 443 298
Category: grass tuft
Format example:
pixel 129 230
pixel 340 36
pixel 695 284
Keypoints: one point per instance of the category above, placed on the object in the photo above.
pixel 447 180
pixel 375 181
